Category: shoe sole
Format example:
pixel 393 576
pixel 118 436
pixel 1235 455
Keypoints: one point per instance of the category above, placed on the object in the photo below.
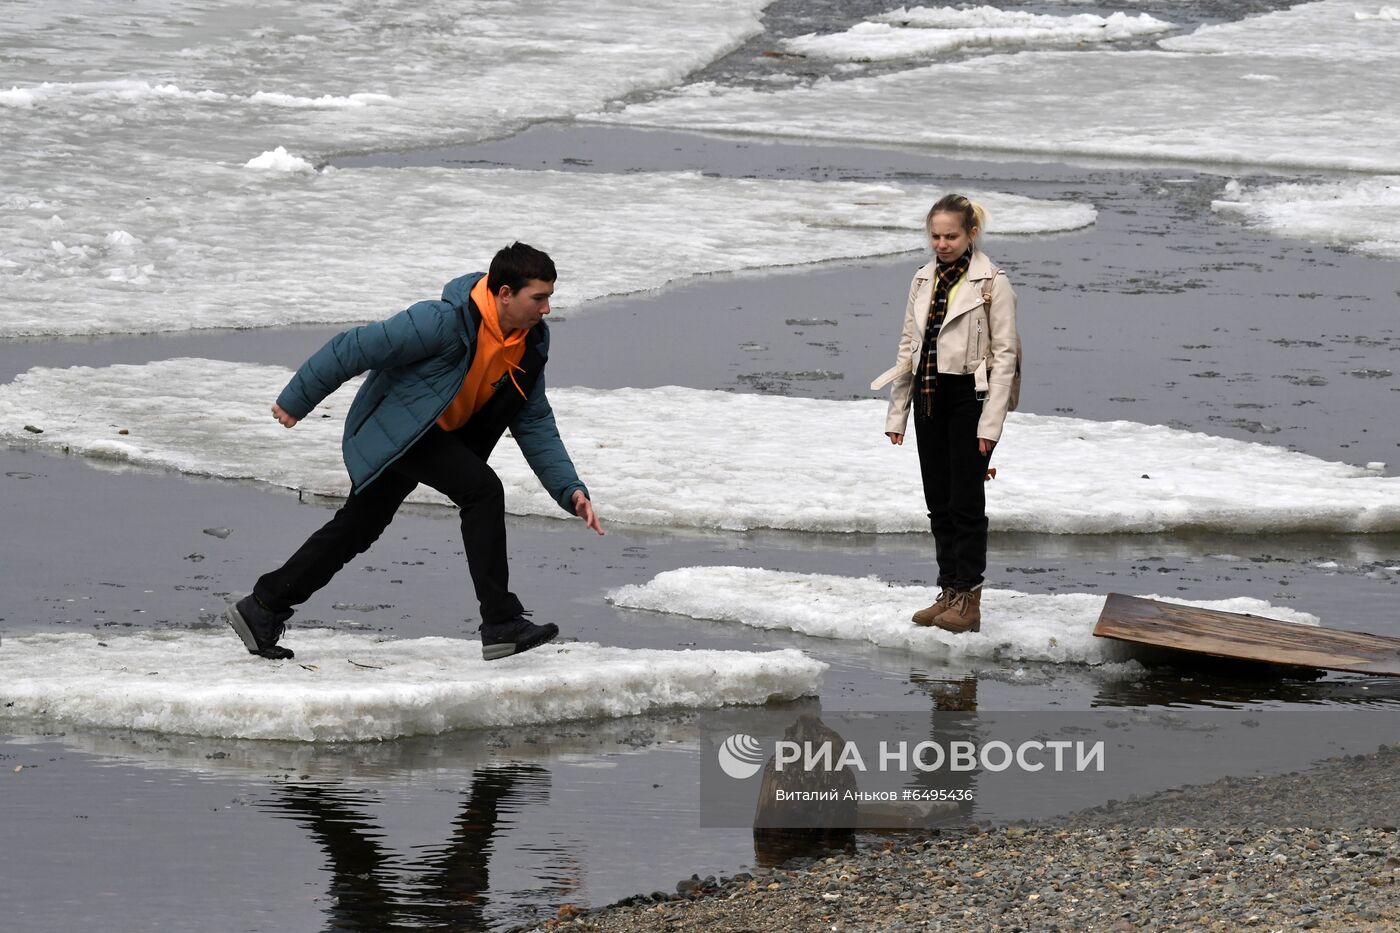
pixel 507 648
pixel 244 631
pixel 974 627
pixel 240 627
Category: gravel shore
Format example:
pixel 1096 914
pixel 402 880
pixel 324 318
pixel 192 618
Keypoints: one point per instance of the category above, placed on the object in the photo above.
pixel 1115 868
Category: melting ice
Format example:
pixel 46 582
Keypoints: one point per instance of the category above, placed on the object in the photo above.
pixel 1017 626
pixel 274 242
pixel 726 461
pixel 1271 101
pixel 135 121
pixel 1307 31
pixel 1362 214
pixel 211 80
pixel 923 32
pixel 350 687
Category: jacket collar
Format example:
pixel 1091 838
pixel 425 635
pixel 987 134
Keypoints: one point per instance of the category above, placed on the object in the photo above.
pixel 979 268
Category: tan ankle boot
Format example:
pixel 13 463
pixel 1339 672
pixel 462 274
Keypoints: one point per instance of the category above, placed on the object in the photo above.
pixel 940 606
pixel 965 613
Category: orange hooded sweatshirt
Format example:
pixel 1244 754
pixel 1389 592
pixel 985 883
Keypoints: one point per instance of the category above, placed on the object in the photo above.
pixel 497 355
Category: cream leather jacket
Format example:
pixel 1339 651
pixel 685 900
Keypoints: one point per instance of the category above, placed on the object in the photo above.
pixel 971 341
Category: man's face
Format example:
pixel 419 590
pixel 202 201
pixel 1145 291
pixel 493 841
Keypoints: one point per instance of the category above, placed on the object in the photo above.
pixel 526 306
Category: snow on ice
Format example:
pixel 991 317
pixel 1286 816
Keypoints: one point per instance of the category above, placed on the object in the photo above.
pixel 1018 627
pixel 1129 105
pixel 351 687
pixel 208 79
pixel 728 461
pixel 1361 214
pixel 378 239
pixel 1306 31
pixel 923 32
pixel 143 117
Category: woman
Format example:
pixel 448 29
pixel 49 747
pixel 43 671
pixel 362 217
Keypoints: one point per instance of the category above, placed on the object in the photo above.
pixel 959 366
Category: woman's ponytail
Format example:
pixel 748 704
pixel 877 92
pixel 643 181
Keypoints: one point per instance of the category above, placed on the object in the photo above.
pixel 973 215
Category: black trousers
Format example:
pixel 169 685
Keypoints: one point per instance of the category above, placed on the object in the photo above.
pixel 954 474
pixel 446 462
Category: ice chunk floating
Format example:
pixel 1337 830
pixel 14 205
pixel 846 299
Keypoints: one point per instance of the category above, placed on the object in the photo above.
pixel 1017 626
pixel 359 245
pixel 1309 30
pixel 350 687
pixel 726 461
pixel 193 128
pixel 207 78
pixel 1130 105
pixel 924 32
pixel 1363 214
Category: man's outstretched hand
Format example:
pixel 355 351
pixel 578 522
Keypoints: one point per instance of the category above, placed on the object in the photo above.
pixel 284 419
pixel 582 508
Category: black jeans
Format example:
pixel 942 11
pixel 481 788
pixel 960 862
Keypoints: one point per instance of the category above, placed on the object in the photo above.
pixel 954 474
pixel 445 462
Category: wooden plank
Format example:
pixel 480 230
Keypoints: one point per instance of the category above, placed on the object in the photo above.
pixel 1245 637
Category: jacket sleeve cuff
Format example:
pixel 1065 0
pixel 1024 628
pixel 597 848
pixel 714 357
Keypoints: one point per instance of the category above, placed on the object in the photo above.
pixel 897 419
pixel 293 403
pixel 566 497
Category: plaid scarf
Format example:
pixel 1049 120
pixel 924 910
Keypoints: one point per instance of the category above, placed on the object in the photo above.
pixel 945 276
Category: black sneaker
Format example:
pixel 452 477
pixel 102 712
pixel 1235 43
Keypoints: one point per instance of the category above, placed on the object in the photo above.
pixel 503 639
pixel 260 628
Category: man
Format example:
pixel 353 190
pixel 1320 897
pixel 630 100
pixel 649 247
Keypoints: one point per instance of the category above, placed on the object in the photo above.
pixel 446 378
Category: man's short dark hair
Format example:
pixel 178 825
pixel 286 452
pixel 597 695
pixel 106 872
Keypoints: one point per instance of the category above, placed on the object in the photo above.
pixel 517 264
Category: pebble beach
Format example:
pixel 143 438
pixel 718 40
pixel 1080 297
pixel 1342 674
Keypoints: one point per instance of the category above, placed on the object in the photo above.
pixel 1120 867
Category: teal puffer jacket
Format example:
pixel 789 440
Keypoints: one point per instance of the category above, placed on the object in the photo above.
pixel 416 362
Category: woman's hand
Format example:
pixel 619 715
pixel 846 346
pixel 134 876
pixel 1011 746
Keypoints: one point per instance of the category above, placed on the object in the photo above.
pixel 984 446
pixel 895 438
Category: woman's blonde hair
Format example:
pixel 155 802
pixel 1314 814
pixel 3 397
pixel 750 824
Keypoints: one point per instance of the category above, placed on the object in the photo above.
pixel 973 215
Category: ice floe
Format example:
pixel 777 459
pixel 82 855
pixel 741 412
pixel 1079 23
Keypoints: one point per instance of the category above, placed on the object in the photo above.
pixel 1361 214
pixel 1306 31
pixel 351 687
pixel 923 32
pixel 391 73
pixel 1117 105
pixel 142 116
pixel 275 243
pixel 1017 626
pixel 726 460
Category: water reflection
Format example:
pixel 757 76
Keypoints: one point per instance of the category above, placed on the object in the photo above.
pixel 820 809
pixel 444 887
pixel 1231 685
pixel 958 788
pixel 949 694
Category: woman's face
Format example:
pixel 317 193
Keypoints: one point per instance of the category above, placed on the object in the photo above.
pixel 948 237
